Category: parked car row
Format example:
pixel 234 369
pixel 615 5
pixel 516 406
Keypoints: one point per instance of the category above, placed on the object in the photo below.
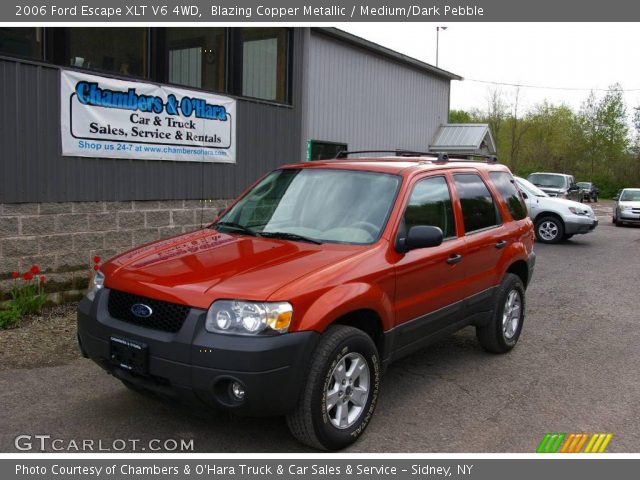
pixel 302 291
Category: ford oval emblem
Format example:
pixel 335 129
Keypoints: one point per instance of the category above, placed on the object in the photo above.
pixel 140 310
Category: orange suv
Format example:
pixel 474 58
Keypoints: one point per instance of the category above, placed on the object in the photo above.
pixel 317 277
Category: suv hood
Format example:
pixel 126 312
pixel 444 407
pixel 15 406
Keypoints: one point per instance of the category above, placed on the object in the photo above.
pixel 562 205
pixel 629 204
pixel 196 268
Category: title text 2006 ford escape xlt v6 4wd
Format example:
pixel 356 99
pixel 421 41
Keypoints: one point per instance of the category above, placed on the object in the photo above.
pixel 322 273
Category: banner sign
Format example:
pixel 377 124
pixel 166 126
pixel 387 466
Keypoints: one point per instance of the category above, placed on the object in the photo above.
pixel 109 118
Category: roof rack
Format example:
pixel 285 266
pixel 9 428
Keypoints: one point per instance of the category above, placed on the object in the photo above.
pixel 441 157
pixel 397 153
pixel 491 159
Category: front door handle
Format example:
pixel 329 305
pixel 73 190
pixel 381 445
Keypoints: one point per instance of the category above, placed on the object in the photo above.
pixel 501 244
pixel 453 259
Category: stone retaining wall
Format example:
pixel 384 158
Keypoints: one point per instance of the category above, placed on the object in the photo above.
pixel 63 238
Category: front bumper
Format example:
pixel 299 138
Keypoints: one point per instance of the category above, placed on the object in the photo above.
pixel 576 224
pixel 628 216
pixel 198 367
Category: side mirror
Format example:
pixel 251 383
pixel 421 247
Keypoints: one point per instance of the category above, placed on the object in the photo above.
pixel 420 236
pixel 524 195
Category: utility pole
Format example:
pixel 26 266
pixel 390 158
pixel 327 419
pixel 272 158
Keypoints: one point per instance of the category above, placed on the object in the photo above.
pixel 438 42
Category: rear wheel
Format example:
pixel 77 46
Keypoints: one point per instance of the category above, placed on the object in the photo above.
pixel 503 331
pixel 549 229
pixel 341 391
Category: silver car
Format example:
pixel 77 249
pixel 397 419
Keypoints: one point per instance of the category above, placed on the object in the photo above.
pixel 558 185
pixel 555 219
pixel 627 207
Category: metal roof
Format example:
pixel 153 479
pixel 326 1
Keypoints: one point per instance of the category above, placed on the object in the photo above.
pixel 384 51
pixel 463 138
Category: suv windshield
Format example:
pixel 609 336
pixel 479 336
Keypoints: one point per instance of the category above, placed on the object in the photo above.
pixel 548 180
pixel 586 185
pixel 315 204
pixel 630 196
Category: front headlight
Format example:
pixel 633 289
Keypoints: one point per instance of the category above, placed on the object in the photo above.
pixel 96 284
pixel 577 211
pixel 248 318
pixel 625 207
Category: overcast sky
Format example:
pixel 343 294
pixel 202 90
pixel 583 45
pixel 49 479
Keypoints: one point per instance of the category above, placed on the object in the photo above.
pixel 576 55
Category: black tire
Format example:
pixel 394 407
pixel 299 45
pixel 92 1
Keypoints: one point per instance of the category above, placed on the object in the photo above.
pixel 543 233
pixel 311 421
pixel 493 336
pixel 595 199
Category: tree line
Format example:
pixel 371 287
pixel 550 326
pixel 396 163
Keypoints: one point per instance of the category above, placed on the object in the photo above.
pixel 600 142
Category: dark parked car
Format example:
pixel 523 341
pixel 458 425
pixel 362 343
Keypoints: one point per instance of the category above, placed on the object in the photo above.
pixel 588 191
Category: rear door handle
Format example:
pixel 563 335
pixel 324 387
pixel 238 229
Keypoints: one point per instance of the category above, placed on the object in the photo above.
pixel 501 244
pixel 453 259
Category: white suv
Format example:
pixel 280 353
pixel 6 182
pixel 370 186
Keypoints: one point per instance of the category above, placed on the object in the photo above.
pixel 555 219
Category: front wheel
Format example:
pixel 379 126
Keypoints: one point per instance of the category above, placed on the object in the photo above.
pixel 503 330
pixel 341 391
pixel 549 229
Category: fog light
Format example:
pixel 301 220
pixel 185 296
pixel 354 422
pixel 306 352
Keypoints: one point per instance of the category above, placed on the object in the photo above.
pixel 237 390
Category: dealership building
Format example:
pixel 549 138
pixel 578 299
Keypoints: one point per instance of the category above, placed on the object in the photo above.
pixel 114 137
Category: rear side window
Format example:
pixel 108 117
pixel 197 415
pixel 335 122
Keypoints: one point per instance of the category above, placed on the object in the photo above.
pixel 506 187
pixel 430 204
pixel 478 208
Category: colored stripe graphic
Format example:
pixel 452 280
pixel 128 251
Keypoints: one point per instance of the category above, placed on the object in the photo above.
pixel 550 443
pixel 573 442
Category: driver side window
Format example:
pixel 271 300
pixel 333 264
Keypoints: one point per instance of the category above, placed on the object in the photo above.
pixel 430 204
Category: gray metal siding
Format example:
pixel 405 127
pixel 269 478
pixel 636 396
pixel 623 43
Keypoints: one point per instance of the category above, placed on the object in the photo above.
pixel 33 170
pixel 369 101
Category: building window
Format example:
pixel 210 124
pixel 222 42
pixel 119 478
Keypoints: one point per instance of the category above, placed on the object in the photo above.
pixel 319 150
pixel 21 42
pixel 265 63
pixel 196 57
pixel 118 50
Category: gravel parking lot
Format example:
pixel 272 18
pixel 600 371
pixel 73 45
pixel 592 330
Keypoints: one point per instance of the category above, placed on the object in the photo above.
pixel 574 370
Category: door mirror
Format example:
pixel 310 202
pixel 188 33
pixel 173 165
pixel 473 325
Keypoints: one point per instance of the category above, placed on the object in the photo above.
pixel 524 195
pixel 420 236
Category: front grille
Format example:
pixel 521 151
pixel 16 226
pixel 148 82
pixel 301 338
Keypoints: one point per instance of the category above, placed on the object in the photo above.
pixel 165 316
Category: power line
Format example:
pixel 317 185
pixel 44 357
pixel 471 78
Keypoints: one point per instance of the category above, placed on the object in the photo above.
pixel 542 87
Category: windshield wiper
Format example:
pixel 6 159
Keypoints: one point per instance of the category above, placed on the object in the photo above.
pixel 238 227
pixel 290 236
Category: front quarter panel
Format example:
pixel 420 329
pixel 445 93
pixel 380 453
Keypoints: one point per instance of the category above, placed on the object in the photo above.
pixel 344 299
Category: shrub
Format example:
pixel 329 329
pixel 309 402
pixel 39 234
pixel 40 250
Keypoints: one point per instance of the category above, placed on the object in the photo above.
pixel 10 317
